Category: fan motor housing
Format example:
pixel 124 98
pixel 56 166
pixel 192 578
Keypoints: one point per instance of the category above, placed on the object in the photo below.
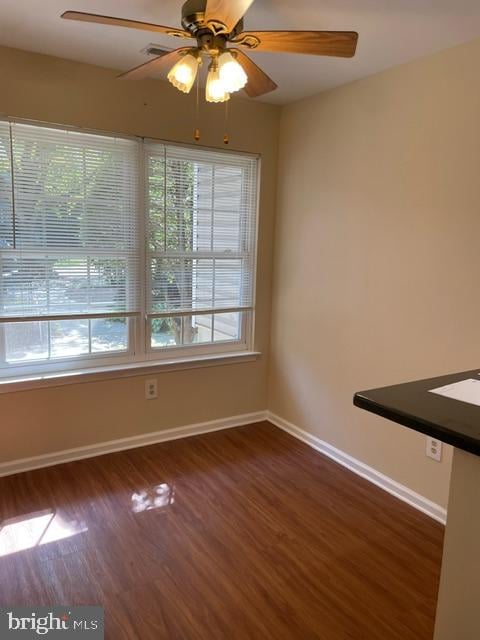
pixel 193 19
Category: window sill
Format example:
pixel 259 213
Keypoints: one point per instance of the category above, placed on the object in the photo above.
pixel 95 374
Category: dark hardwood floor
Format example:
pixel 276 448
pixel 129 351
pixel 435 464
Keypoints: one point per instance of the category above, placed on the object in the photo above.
pixel 239 534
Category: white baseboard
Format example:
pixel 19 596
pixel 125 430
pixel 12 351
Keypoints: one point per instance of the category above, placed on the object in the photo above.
pixel 90 451
pixel 398 490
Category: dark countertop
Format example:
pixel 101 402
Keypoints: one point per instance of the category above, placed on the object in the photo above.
pixel 411 405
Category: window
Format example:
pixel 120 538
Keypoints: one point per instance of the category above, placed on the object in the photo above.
pixel 121 250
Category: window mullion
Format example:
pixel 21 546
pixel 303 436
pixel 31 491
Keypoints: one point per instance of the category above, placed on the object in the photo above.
pixel 89 336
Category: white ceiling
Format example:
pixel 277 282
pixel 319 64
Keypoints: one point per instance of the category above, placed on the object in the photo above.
pixel 391 32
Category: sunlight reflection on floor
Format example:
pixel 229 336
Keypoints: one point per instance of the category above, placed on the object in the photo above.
pixel 156 497
pixel 35 529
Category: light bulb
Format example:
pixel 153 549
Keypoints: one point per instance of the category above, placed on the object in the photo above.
pixel 215 91
pixel 183 73
pixel 231 73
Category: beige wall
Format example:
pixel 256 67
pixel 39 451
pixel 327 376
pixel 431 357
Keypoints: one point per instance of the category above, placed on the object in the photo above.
pixel 55 90
pixel 377 254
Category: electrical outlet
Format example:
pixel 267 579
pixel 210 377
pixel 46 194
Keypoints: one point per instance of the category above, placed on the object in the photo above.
pixel 150 389
pixel 434 449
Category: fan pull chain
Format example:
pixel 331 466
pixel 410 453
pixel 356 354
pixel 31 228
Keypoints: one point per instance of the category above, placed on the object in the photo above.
pixel 226 138
pixel 196 133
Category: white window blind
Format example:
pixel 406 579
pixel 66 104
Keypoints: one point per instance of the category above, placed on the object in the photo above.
pixel 69 241
pixel 201 230
pixel 121 249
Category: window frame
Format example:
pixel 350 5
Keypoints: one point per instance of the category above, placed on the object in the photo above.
pixel 139 324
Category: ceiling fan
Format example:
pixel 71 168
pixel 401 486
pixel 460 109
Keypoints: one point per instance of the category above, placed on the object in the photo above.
pixel 215 24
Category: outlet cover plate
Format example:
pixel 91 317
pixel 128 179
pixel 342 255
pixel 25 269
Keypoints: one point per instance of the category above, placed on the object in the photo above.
pixel 151 390
pixel 434 449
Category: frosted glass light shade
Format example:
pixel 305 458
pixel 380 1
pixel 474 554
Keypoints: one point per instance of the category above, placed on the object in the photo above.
pixel 183 73
pixel 215 91
pixel 231 73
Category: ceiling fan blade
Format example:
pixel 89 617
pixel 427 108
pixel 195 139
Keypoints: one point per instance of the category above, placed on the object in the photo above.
pixel 258 81
pixel 121 22
pixel 225 13
pixel 340 44
pixel 160 63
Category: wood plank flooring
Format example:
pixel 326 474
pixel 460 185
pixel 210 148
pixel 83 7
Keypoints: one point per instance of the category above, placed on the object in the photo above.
pixel 240 534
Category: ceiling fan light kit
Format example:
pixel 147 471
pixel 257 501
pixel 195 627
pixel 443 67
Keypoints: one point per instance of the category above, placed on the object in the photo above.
pixel 225 74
